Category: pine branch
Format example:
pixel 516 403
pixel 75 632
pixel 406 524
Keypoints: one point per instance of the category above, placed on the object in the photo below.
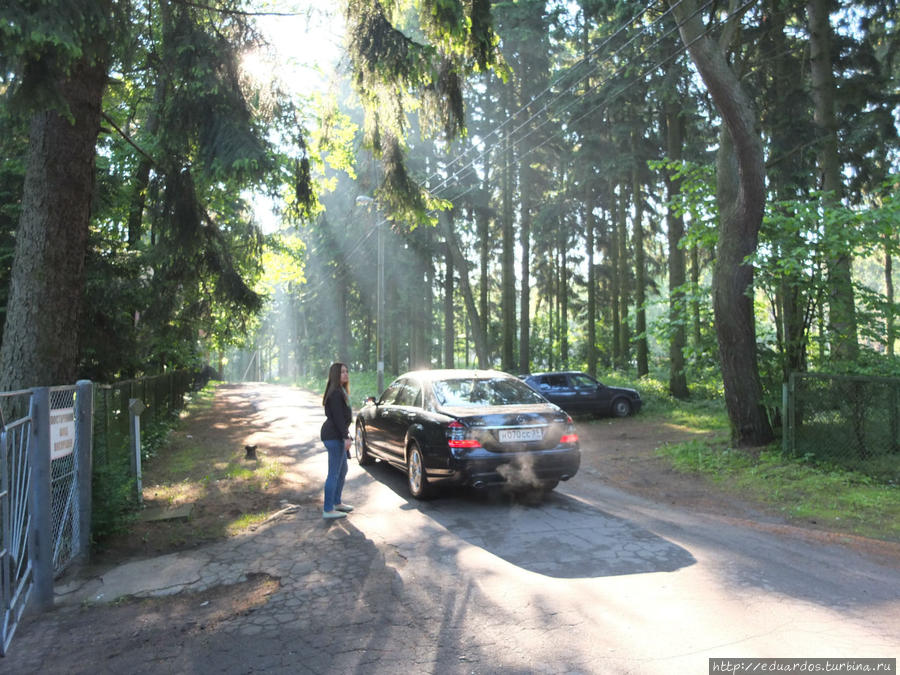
pixel 129 140
pixel 234 12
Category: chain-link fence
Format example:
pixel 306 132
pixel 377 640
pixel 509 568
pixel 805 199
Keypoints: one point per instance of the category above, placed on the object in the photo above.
pixel 114 469
pixel 843 420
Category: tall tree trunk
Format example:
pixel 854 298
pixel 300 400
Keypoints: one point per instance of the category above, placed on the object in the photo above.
pixel 484 241
pixel 841 309
pixel 640 275
pixel 741 171
pixel 889 292
pixel 696 323
pixel 674 124
pixel 392 295
pixel 525 275
pixel 459 262
pixel 624 349
pixel 449 328
pixel 791 325
pixel 429 306
pixel 508 271
pixel 590 225
pixel 614 279
pixel 47 282
pixel 563 295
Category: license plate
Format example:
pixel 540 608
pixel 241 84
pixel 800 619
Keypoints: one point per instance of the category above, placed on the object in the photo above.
pixel 520 435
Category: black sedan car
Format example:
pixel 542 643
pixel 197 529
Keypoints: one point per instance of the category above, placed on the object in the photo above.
pixel 468 427
pixel 580 394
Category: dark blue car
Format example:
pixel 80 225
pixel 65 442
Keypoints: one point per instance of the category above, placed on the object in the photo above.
pixel 580 394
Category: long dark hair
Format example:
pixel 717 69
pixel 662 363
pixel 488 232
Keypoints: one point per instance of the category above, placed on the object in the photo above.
pixel 334 382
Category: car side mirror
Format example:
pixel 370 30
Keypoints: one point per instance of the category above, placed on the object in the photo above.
pixel 370 400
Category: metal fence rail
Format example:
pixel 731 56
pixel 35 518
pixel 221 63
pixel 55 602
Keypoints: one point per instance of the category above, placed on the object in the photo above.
pixel 850 421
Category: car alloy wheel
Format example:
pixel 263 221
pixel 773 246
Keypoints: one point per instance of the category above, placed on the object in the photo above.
pixel 362 451
pixel 415 472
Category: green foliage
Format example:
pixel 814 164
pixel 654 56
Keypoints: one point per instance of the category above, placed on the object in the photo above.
pixel 843 500
pixel 414 56
pixel 113 503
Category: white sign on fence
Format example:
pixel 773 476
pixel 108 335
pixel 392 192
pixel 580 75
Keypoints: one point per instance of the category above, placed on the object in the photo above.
pixel 62 432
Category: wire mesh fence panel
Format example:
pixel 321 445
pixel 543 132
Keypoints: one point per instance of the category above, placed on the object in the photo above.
pixel 849 421
pixel 64 507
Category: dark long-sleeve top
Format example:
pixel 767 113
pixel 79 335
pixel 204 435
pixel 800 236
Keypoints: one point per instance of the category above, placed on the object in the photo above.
pixel 337 417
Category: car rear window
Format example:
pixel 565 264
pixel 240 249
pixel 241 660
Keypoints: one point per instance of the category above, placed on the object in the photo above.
pixel 484 392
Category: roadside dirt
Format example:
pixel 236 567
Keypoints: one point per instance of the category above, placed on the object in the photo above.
pixel 623 453
pixel 205 467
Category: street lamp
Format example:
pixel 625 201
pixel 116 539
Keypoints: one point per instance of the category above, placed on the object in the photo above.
pixel 379 288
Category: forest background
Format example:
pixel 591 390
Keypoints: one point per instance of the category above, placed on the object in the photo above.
pixel 701 192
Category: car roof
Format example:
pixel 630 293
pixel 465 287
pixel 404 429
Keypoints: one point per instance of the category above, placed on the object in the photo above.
pixel 557 372
pixel 454 373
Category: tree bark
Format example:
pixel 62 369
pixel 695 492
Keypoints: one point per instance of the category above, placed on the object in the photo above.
pixel 47 283
pixel 525 276
pixel 640 276
pixel 841 306
pixel 614 281
pixel 678 387
pixel 624 346
pixel 508 270
pixel 449 328
pixel 481 352
pixel 741 181
pixel 590 225
pixel 889 292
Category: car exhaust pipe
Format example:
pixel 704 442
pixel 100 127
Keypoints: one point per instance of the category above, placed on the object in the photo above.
pixel 478 484
pixel 565 476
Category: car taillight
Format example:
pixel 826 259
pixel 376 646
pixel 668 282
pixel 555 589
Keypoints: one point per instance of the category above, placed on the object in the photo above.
pixel 458 436
pixel 570 436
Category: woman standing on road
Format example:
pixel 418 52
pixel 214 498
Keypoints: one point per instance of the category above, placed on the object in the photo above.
pixel 336 436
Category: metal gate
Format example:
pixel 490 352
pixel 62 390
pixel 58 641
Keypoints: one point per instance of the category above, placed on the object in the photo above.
pixel 45 493
pixel 16 569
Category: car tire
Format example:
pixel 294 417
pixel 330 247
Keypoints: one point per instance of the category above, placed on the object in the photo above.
pixel 416 478
pixel 621 408
pixel 362 450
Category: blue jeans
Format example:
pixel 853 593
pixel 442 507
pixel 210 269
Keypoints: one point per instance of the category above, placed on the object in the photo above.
pixel 337 471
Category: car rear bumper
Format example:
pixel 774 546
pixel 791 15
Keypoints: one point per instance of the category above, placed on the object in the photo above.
pixel 482 468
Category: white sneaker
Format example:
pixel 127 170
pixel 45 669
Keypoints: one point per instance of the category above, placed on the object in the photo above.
pixel 330 515
pixel 346 508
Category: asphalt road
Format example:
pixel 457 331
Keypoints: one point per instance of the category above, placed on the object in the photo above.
pixel 595 580
pixel 591 580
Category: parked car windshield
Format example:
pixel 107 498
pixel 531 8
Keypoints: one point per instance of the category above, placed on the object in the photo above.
pixel 484 392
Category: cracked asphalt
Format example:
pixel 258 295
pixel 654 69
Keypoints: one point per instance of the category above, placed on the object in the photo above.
pixel 591 580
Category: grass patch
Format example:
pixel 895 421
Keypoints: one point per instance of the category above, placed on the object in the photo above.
pixel 839 500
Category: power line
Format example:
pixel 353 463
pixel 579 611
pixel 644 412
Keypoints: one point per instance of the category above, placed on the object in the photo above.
pixel 567 90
